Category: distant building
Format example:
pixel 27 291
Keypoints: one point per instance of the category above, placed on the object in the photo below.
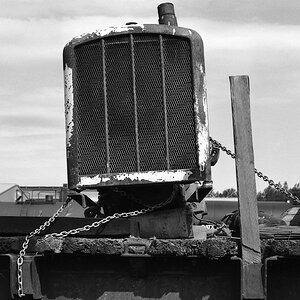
pixel 36 201
pixel 9 192
pixel 44 193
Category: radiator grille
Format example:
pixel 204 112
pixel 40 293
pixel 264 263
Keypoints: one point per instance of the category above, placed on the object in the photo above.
pixel 134 104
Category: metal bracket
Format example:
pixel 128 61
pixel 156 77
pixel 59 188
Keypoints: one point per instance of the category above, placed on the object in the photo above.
pixel 252 276
pixel 12 267
pixel 81 199
pixel 134 247
pixel 282 277
pixel 272 258
pixel 31 281
pixel 252 281
pixel 214 155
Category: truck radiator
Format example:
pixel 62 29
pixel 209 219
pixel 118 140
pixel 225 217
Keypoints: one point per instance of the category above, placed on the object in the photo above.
pixel 133 100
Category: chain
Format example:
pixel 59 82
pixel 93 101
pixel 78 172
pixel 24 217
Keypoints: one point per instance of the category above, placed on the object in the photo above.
pixel 223 148
pixel 64 233
pixel 96 224
pixel 22 253
pixel 258 173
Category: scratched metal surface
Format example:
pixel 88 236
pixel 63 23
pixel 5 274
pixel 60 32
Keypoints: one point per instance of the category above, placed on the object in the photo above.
pixel 126 154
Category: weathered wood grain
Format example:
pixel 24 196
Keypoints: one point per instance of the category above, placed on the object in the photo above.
pixel 240 102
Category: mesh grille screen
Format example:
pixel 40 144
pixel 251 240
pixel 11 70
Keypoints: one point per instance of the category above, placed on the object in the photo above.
pixel 150 104
pixel 179 105
pixel 121 125
pixel 138 116
pixel 89 105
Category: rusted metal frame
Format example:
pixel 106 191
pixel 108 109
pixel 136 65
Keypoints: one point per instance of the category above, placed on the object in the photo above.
pixel 200 106
pixel 71 122
pixel 105 106
pixel 163 76
pixel 132 29
pixel 137 149
pixel 185 176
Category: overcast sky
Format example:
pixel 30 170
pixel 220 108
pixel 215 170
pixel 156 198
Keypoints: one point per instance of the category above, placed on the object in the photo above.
pixel 256 38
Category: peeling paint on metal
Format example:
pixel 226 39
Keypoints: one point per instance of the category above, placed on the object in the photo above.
pixel 201 70
pixel 199 66
pixel 151 177
pixel 202 137
pixel 202 122
pixel 69 103
pixel 203 147
pixel 108 31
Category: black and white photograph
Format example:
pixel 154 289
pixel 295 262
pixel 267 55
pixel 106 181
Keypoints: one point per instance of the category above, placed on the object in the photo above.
pixel 149 149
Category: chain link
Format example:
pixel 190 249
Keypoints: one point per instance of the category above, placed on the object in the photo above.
pixel 64 233
pixel 258 173
pixel 25 244
pixel 223 148
pixel 96 224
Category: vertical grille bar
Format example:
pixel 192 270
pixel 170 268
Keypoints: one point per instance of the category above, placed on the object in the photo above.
pixel 150 105
pixel 120 104
pixel 90 110
pixel 164 100
pixel 135 104
pixel 105 107
pixel 180 103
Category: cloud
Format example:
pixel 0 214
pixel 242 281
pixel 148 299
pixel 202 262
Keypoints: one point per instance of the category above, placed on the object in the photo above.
pixel 240 11
pixel 33 159
pixel 60 9
pixel 40 111
pixel 269 55
pixel 256 38
pixel 243 11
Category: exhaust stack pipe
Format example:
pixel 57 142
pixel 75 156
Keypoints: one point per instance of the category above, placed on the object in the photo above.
pixel 166 14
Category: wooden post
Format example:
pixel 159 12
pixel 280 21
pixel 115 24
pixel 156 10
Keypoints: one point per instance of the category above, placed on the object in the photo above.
pixel 250 241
